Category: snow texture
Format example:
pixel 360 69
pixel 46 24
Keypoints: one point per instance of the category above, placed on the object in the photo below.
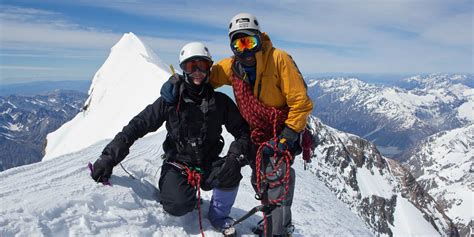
pixel 130 79
pixel 58 198
pixel 409 107
pixel 372 186
pixel 408 216
pixel 443 163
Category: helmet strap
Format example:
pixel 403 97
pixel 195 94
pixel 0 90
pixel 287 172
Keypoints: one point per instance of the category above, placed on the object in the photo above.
pixel 195 92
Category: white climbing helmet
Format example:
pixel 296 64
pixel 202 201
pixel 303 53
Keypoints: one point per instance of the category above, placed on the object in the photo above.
pixel 244 23
pixel 194 49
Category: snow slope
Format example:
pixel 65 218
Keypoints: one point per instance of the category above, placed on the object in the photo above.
pixel 378 189
pixel 129 79
pixel 58 198
pixel 441 164
pixel 394 118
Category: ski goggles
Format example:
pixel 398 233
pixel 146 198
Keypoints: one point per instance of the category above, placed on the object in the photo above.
pixel 249 43
pixel 190 66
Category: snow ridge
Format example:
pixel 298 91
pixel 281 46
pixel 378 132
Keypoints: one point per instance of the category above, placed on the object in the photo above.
pixel 394 118
pixel 130 79
pixel 378 189
pixel 408 107
pixel 442 164
pixel 58 198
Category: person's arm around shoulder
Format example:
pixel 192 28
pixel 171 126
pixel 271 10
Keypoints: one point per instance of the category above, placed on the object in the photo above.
pixel 220 73
pixel 170 89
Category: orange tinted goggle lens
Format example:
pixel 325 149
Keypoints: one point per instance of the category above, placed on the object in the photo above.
pixel 191 65
pixel 247 42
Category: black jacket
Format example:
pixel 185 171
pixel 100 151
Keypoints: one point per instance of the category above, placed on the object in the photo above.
pixel 194 130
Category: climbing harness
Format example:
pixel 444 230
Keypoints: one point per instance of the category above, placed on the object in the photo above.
pixel 194 176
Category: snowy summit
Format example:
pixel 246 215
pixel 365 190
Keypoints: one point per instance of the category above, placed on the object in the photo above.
pixel 350 189
pixel 130 79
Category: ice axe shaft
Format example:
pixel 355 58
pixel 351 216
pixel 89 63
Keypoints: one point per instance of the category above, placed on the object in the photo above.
pixel 172 69
pixel 262 208
pixel 248 214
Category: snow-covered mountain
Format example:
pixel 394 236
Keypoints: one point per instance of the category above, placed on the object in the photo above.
pixel 392 117
pixel 346 192
pixel 26 120
pixel 58 198
pixel 444 165
pixel 379 189
pixel 43 87
pixel 436 81
pixel 130 79
pixel 378 196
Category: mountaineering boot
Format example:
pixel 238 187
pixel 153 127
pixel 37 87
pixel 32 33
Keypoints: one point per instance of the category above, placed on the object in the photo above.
pixel 258 230
pixel 229 232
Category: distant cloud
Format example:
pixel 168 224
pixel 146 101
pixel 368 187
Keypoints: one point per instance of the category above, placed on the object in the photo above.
pixel 48 55
pixel 433 28
pixel 26 68
pixel 309 20
pixel 25 14
pixel 32 33
pixel 456 31
pixel 33 29
pixel 405 36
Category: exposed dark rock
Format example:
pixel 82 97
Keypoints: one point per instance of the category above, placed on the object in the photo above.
pixel 340 157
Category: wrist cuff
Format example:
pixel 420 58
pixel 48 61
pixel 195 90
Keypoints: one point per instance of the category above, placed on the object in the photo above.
pixel 290 135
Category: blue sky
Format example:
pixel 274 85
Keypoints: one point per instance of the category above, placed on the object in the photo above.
pixel 69 40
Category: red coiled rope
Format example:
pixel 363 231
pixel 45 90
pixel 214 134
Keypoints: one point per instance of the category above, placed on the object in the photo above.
pixel 265 124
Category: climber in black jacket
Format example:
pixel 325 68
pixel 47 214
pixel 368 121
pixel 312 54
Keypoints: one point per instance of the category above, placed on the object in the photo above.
pixel 193 142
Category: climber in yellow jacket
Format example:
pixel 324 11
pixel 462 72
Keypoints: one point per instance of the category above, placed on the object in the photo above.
pixel 278 82
pixel 272 97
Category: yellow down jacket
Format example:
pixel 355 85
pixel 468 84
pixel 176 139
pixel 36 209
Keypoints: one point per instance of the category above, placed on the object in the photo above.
pixel 278 83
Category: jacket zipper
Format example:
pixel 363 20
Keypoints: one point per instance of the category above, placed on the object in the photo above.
pixel 259 89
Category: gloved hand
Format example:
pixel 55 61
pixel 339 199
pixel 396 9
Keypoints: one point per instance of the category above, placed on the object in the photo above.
pixel 170 89
pixel 211 180
pixel 281 147
pixel 229 175
pixel 102 169
pixel 287 140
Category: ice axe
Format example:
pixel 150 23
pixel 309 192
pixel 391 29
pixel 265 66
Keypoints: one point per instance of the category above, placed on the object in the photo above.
pixel 263 208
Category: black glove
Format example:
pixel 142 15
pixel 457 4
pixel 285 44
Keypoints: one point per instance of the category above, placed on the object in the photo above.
pixel 287 140
pixel 229 175
pixel 102 169
pixel 212 181
pixel 170 89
